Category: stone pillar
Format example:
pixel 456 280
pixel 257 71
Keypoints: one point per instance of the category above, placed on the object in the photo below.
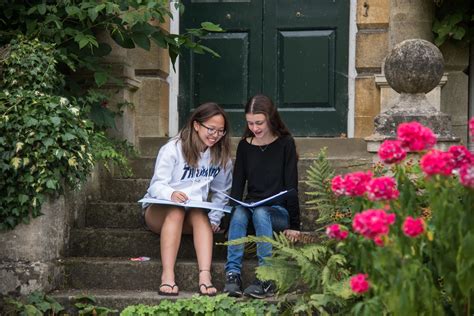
pixel 410 19
pixel 413 68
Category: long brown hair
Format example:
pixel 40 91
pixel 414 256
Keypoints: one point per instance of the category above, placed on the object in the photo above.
pixel 261 104
pixel 191 143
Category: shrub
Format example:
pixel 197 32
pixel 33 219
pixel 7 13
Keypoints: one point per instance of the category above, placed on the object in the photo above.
pixel 44 141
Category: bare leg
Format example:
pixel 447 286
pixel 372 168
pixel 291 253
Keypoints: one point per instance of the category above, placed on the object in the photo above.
pixel 168 222
pixel 197 222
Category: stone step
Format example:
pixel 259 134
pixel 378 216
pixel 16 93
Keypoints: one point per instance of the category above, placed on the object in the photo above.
pixel 122 274
pixel 95 242
pixel 336 147
pixel 144 167
pixel 131 190
pixel 120 299
pixel 127 215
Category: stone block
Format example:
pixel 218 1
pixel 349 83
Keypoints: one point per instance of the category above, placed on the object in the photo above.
pixel 454 101
pixel 153 97
pixel 154 62
pixel 371 49
pixel 152 125
pixel 364 126
pixel 367 97
pixel 373 13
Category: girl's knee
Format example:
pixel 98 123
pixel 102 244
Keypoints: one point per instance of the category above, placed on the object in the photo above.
pixel 240 215
pixel 261 213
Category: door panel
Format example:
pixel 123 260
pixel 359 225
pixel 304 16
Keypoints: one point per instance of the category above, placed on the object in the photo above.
pixel 231 79
pixel 295 51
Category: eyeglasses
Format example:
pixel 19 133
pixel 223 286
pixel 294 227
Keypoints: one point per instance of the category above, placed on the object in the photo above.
pixel 212 131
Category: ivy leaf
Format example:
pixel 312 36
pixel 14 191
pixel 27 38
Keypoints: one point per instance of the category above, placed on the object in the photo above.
pixel 211 27
pixel 72 10
pixel 19 146
pixel 23 198
pixel 42 8
pixel 55 120
pixel 67 137
pixel 48 142
pixel 15 162
pixel 51 184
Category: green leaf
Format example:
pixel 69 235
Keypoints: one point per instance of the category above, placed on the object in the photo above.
pixel 67 137
pixel 72 10
pixel 465 264
pixel 158 38
pixel 211 27
pixel 48 142
pixel 51 184
pixel 55 120
pixel 42 8
pixel 122 39
pixel 100 78
pixel 141 40
pixel 93 14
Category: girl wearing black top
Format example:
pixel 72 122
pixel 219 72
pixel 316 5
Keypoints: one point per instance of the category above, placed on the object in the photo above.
pixel 266 162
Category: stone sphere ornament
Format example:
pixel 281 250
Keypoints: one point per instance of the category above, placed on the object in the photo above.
pixel 414 66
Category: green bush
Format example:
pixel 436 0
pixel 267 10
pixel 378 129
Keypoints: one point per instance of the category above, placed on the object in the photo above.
pixel 44 141
pixel 220 305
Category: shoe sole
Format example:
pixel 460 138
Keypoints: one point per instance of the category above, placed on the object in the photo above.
pixel 234 294
pixel 259 296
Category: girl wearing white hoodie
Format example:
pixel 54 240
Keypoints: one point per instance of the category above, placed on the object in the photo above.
pixel 194 165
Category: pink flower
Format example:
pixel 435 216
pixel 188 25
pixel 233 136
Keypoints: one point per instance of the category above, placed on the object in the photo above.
pixel 355 183
pixel 383 188
pixel 373 223
pixel 461 156
pixel 437 162
pixel 466 175
pixel 334 231
pixel 471 126
pixel 379 241
pixel 359 283
pixel 391 151
pixel 337 185
pixel 413 227
pixel 415 136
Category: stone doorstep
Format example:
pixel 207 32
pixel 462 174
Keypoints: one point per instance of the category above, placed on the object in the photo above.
pixel 120 299
pixel 143 167
pixel 122 274
pixel 337 147
pixel 127 215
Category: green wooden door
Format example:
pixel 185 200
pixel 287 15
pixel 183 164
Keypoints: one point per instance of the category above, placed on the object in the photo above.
pixel 295 51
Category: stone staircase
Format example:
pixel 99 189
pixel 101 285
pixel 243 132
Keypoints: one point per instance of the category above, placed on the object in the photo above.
pixel 110 232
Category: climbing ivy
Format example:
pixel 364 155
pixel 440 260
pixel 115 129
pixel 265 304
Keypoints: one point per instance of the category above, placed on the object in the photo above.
pixel 44 141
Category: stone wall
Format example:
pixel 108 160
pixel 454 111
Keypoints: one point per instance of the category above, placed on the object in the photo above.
pixel 30 255
pixel 371 48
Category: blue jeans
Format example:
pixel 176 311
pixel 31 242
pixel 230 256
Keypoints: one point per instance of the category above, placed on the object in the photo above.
pixel 265 219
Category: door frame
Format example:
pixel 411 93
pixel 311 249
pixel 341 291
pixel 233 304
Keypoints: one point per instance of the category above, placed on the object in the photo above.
pixel 173 77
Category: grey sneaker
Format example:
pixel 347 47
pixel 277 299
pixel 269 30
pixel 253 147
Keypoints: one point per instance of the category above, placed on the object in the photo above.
pixel 260 289
pixel 233 284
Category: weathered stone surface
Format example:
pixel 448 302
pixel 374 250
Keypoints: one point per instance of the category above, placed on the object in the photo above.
pixel 373 14
pixel 369 59
pixel 414 66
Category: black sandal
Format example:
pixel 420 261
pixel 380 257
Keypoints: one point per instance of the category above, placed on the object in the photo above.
pixel 210 286
pixel 168 293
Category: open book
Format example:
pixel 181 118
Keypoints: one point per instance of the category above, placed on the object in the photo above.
pixel 189 203
pixel 267 201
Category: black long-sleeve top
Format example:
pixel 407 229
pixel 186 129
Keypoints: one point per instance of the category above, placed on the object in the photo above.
pixel 268 170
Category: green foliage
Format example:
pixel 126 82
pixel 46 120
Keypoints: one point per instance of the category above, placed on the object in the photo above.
pixel 35 304
pixel 85 306
pixel 317 268
pixel 44 142
pixel 74 27
pixel 322 200
pixel 454 21
pixel 203 305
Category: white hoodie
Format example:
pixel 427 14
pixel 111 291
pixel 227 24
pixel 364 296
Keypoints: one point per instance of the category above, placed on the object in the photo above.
pixel 172 173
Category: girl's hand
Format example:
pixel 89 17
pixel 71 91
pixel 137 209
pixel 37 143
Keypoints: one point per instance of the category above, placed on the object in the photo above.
pixel 292 235
pixel 179 197
pixel 215 228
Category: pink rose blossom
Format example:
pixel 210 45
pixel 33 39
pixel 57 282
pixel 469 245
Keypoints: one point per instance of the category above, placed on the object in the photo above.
pixel 334 231
pixel 379 241
pixel 461 156
pixel 373 223
pixel 413 227
pixel 359 283
pixel 391 151
pixel 466 175
pixel 415 136
pixel 437 162
pixel 355 183
pixel 471 126
pixel 337 185
pixel 383 188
